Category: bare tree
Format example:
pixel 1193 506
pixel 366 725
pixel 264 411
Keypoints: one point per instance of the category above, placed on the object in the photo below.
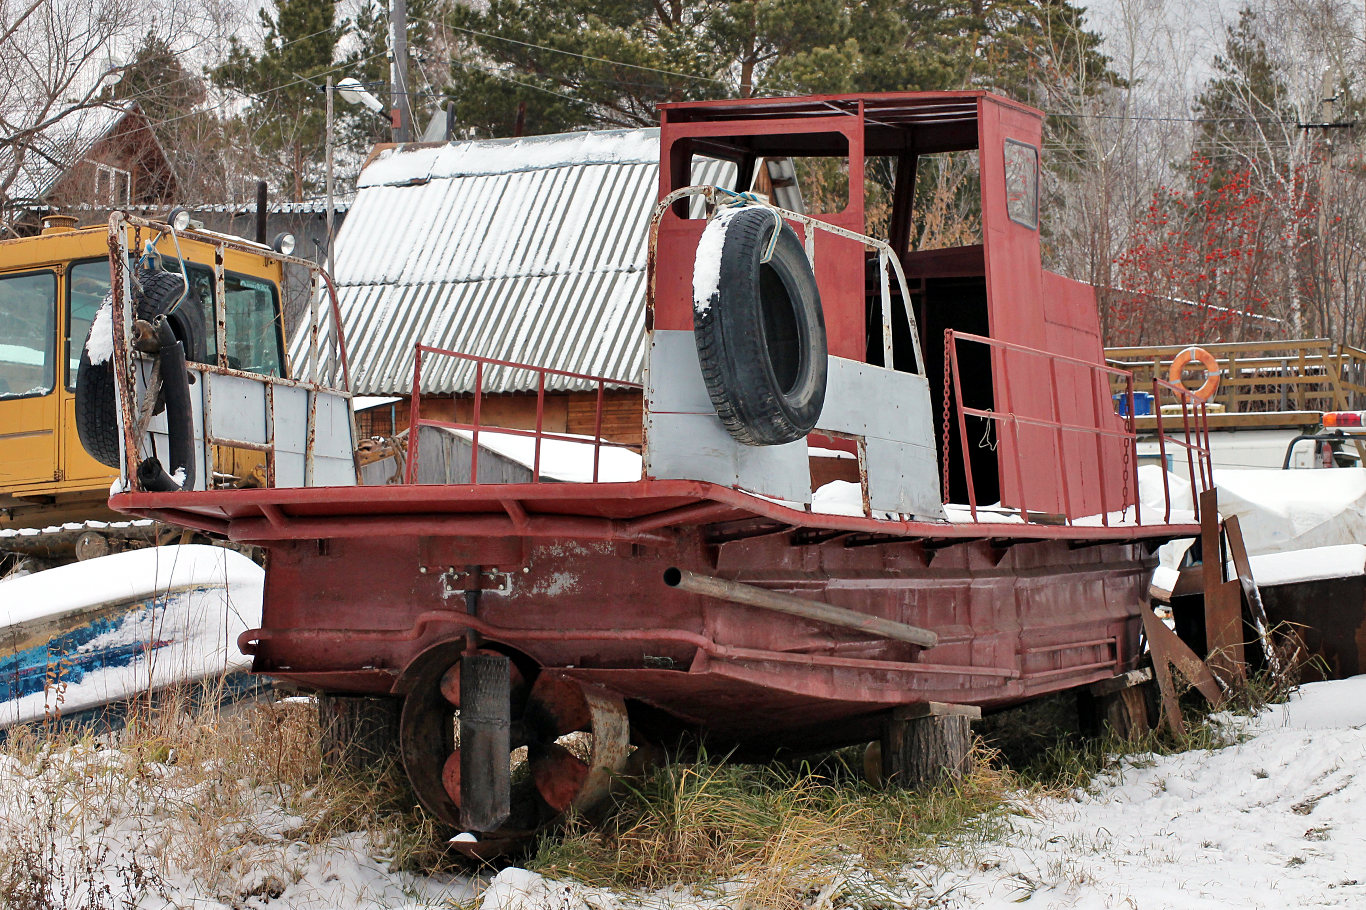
pixel 55 61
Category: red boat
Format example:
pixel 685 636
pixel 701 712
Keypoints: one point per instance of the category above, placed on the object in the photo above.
pixel 973 534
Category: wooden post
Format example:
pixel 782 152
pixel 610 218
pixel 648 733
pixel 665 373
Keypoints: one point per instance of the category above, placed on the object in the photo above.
pixel 1119 703
pixel 359 733
pixel 923 744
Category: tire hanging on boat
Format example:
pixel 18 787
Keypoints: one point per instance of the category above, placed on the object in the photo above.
pixel 759 328
pixel 155 293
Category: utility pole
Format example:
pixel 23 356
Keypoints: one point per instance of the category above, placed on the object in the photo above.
pixel 402 111
pixel 1328 100
pixel 331 203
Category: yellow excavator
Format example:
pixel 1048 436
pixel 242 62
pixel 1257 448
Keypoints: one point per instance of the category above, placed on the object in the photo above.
pixel 53 492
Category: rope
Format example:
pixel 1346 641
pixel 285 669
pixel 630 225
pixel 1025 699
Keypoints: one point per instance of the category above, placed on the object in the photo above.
pixel 744 199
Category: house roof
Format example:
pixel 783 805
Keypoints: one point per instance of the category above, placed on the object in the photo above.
pixel 53 151
pixel 531 250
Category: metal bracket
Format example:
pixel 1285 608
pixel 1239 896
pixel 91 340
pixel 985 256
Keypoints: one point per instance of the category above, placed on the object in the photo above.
pixel 456 581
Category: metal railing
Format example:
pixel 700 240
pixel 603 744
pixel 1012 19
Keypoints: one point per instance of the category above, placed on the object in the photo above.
pixel 325 370
pixel 1008 425
pixel 476 425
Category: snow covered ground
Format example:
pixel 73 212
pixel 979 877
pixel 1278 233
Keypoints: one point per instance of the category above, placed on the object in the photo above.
pixel 1272 820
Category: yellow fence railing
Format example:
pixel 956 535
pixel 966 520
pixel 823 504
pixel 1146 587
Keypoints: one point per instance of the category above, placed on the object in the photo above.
pixel 1257 376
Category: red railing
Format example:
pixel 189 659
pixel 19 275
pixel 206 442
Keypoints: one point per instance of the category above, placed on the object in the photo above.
pixel 1007 423
pixel 539 434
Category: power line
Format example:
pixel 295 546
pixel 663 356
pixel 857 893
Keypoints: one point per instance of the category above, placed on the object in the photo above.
pixel 556 50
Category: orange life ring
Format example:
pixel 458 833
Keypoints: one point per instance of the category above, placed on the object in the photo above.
pixel 1212 372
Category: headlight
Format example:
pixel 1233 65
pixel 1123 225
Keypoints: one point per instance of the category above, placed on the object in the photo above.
pixel 283 244
pixel 179 219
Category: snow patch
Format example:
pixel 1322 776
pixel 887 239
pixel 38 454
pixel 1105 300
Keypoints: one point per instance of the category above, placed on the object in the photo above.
pixel 706 271
pixel 565 460
pixel 1314 564
pixel 519 889
pixel 99 347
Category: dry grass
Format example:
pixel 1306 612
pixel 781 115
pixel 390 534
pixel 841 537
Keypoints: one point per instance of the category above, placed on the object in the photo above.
pixel 235 803
pixel 771 837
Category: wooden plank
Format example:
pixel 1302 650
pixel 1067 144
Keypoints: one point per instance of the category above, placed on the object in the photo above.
pixel 622 415
pixel 936 709
pixel 1257 420
pixel 1238 550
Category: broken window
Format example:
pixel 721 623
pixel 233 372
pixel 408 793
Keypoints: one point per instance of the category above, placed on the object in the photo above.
pixel 113 185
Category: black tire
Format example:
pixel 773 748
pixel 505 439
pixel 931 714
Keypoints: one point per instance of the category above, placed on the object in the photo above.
pixel 761 337
pixel 97 423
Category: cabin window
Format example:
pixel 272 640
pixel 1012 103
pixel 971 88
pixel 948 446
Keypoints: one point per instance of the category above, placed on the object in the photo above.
pixel 709 171
pixel 810 184
pixel 28 314
pixel 824 182
pixel 252 338
pixel 947 208
pixel 1022 183
pixel 87 284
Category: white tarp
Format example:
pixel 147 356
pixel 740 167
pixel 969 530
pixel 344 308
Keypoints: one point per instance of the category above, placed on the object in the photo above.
pixel 1281 511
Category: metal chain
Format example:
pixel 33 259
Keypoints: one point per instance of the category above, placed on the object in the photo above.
pixel 1128 444
pixel 944 439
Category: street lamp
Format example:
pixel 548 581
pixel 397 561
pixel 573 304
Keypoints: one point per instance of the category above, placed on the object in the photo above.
pixel 351 89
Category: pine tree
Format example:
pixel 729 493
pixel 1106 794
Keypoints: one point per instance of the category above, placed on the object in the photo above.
pixel 573 63
pixel 1245 107
pixel 286 114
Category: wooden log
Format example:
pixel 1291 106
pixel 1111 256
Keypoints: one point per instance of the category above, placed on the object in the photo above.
pixel 1119 704
pixel 359 733
pixel 924 744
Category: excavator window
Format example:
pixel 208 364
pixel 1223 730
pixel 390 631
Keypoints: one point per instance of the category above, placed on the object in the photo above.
pixel 87 286
pixel 28 313
pixel 252 334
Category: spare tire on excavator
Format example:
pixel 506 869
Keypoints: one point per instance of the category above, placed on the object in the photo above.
pixel 154 293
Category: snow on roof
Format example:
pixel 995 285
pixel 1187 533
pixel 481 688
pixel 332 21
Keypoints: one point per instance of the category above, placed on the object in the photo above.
pixel 53 151
pixel 402 166
pixel 531 250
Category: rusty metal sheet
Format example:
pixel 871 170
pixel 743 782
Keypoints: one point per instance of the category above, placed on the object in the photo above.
pixel 1223 599
pixel 1171 653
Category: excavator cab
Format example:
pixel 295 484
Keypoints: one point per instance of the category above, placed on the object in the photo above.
pixel 51 287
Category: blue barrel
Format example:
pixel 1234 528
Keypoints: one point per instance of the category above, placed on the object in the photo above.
pixel 1143 404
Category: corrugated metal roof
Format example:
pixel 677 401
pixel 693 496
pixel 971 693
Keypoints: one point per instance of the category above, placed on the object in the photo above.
pixel 531 250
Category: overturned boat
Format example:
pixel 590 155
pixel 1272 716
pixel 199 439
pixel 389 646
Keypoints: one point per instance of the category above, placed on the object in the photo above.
pixel 79 643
